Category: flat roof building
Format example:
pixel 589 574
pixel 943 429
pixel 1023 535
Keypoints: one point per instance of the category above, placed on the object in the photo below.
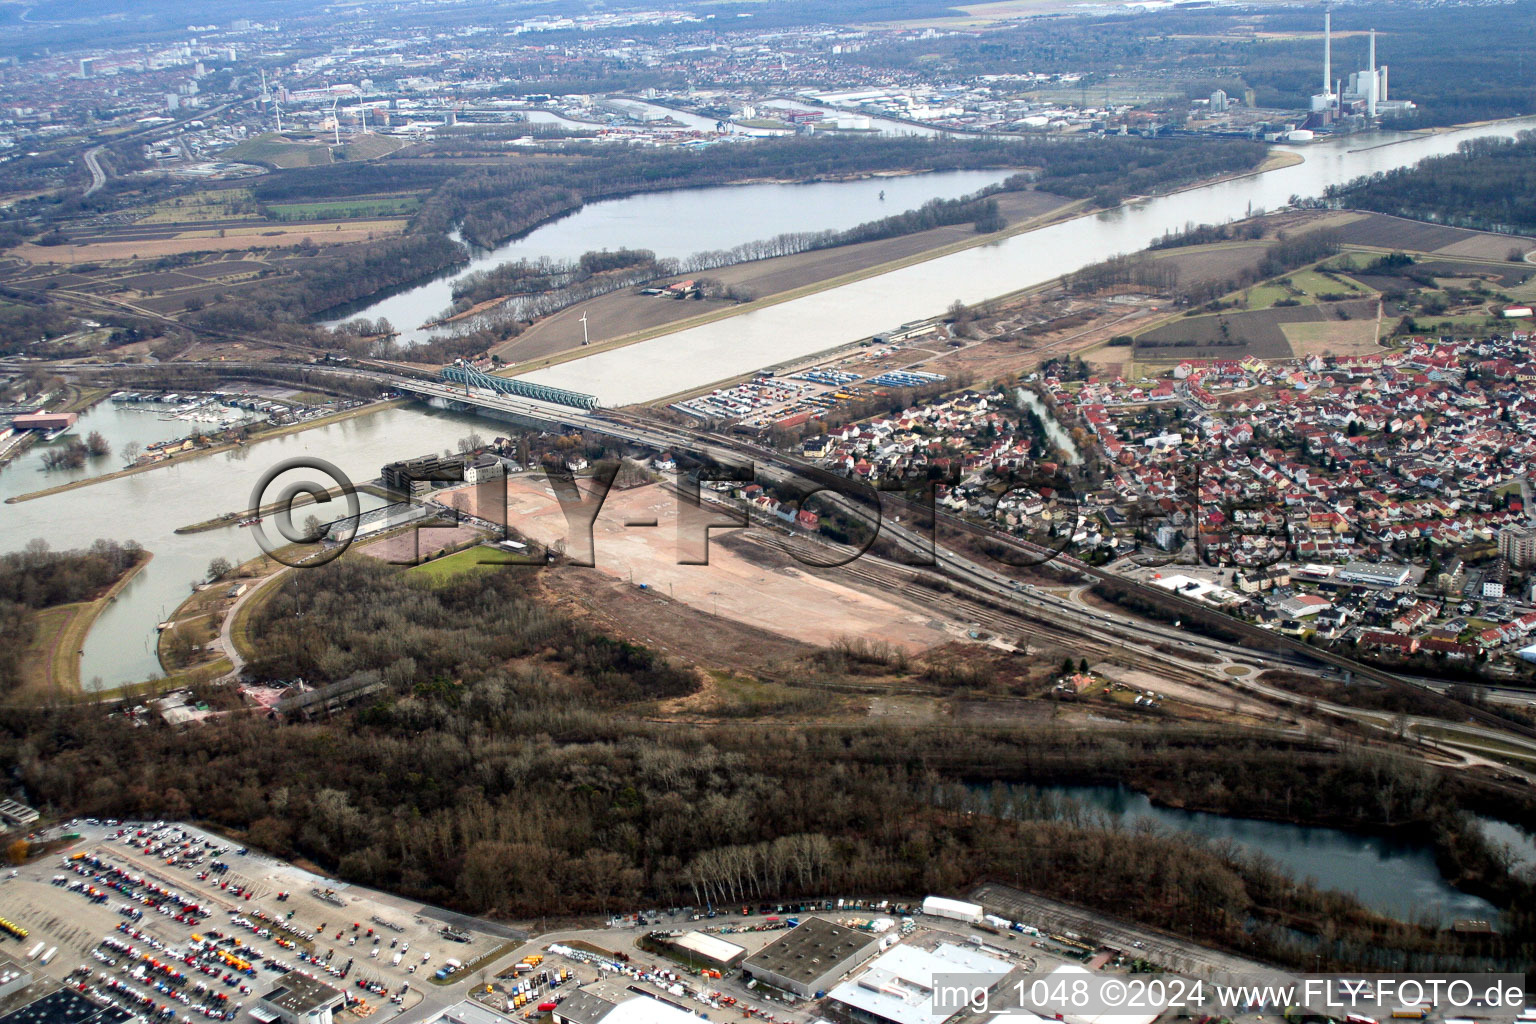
pixel 706 950
pixel 65 1006
pixel 810 957
pixel 898 988
pixel 583 1007
pixel 1371 574
pixel 467 1011
pixel 298 1000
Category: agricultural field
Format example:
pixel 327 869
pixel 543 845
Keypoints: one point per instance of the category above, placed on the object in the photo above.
pixel 200 207
pixel 1379 231
pixel 1261 333
pixel 1333 337
pixel 167 286
pixel 345 209
pixel 1305 287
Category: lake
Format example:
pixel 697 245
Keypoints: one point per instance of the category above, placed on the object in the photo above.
pixel 1394 876
pixel 680 223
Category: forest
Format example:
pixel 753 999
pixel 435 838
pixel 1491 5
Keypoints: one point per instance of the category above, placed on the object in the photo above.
pixel 491 203
pixel 1487 184
pixel 494 203
pixel 516 763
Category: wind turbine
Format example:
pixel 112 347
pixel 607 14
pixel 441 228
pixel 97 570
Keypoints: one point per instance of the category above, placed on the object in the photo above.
pixel 584 339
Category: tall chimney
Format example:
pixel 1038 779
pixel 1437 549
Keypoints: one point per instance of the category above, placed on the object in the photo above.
pixel 1375 89
pixel 1327 50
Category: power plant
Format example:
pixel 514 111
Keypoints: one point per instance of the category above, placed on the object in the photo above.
pixel 1364 93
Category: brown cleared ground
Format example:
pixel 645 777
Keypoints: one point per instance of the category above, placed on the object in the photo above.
pixel 745 582
pixel 265 238
pixel 625 312
pixel 672 627
pixel 1233 335
pixel 1333 338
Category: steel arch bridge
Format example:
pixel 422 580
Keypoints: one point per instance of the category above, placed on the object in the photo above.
pixel 471 377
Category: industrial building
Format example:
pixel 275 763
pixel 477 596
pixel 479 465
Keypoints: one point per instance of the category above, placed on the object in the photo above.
pixel 898 987
pixel 810 957
pixel 1364 92
pixel 467 1011
pixel 594 1006
pixel 1077 1015
pixel 583 1007
pixel 43 421
pixel 1371 574
pixel 298 1000
pixel 955 910
pixel 14 812
pixel 65 1006
pixel 700 950
pixel 13 977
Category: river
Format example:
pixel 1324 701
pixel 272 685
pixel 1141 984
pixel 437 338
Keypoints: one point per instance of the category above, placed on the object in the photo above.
pixel 680 223
pixel 1397 877
pixel 148 507
pixel 814 323
pixel 1053 429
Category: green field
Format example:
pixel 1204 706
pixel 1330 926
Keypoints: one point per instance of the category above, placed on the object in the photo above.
pixel 475 559
pixel 391 206
pixel 1304 287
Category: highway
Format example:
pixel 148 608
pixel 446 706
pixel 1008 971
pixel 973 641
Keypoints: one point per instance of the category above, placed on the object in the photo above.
pixel 93 164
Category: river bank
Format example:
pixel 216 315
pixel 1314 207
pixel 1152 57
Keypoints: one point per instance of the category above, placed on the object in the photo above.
pixel 215 449
pixel 51 662
pixel 230 518
pixel 558 338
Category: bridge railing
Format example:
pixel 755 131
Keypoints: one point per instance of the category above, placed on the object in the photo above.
pixel 471 377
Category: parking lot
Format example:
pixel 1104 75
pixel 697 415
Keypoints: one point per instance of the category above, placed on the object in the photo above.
pixel 174 923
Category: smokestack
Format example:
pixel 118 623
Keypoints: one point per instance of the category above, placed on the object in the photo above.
pixel 1375 92
pixel 1327 51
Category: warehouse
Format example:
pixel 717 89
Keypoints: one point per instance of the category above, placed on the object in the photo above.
pixel 898 988
pixel 955 910
pixel 298 1000
pixel 583 1007
pixel 700 950
pixel 1077 1015
pixel 810 957
pixel 44 420
pixel 1371 574
pixel 467 1011
pixel 610 1004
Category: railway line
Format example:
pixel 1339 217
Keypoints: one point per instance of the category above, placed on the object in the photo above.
pixel 1054 617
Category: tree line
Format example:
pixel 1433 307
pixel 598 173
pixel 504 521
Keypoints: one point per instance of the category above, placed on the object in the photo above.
pixel 1487 184
pixel 37 577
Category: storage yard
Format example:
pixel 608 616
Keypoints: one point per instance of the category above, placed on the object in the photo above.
pixel 173 923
